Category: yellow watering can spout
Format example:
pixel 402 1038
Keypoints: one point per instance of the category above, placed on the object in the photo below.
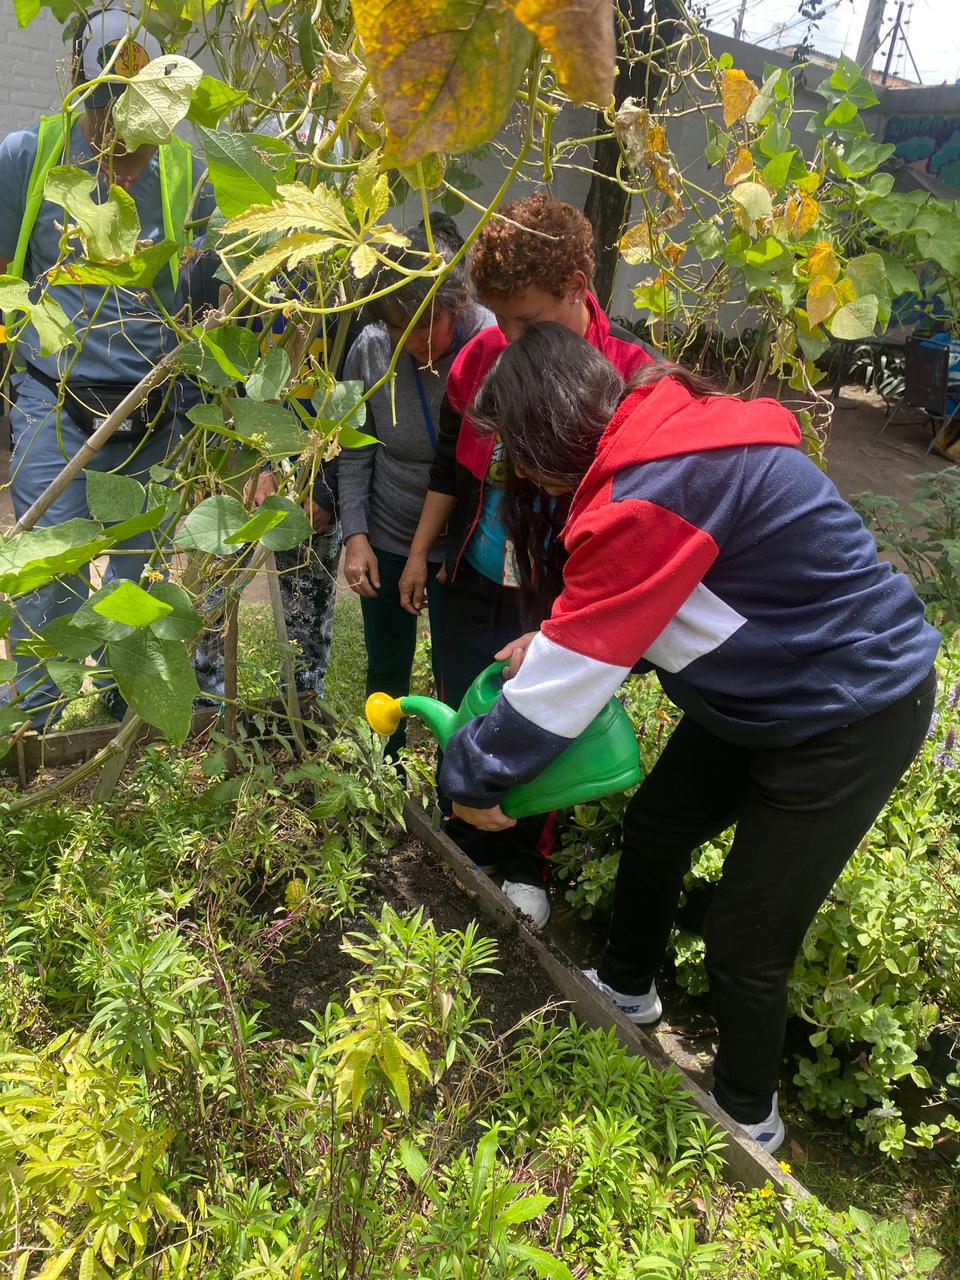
pixel 383 713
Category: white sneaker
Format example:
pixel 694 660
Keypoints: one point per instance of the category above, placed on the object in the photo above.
pixel 769 1133
pixel 643 1010
pixel 529 899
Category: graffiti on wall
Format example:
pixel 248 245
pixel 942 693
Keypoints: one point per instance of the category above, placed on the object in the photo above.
pixel 929 144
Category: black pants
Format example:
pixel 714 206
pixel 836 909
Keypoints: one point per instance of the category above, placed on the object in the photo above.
pixel 800 812
pixel 480 617
pixel 390 634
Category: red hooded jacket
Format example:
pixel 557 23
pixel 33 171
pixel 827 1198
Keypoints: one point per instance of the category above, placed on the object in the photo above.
pixel 463 455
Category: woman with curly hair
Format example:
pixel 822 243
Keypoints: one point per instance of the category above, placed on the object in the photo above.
pixel 533 262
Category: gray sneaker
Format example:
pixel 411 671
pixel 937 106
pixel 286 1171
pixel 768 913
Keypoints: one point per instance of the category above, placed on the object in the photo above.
pixel 643 1010
pixel 769 1133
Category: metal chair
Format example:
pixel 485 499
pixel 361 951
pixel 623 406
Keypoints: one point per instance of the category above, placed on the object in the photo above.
pixel 927 387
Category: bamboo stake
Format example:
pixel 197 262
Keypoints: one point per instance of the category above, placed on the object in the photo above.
pixel 231 617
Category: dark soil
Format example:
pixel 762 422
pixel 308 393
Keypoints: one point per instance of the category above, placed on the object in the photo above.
pixel 407 877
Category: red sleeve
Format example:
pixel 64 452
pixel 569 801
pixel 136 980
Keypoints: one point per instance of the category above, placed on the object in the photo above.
pixel 471 366
pixel 632 564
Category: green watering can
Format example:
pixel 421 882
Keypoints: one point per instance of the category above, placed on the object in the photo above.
pixel 603 759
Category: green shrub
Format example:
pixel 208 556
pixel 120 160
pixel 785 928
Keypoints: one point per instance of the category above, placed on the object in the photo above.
pixel 878 971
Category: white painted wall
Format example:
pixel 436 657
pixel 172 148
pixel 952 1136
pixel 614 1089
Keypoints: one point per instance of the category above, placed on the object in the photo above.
pixel 35 69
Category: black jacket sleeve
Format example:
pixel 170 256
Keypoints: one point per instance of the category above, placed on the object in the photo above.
pixel 443 470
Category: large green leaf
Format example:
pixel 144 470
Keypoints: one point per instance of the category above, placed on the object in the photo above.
pixel 32 558
pixel 129 604
pixel 943 246
pixel 860 157
pixel 244 169
pixel 294 529
pixel 251 530
pixel 156 100
pixel 109 229
pixel 209 525
pixel 113 497
pixel 182 621
pixel 54 329
pixel 708 240
pixel 68 676
pixel 268 427
pixel 211 101
pixel 445 71
pixel 857 319
pixel 138 273
pixel 26 11
pixel 63 636
pixel 901 278
pixel 270 375
pixel 343 404
pixel 156 678
pixel 235 349
pixel 898 212
pixel 869 276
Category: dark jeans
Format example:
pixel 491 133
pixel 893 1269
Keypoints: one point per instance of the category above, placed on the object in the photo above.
pixel 481 617
pixel 391 635
pixel 800 813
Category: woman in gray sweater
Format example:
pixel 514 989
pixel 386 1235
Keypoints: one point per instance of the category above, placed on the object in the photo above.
pixel 382 486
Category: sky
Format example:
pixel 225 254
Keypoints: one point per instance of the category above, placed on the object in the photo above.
pixel 933 31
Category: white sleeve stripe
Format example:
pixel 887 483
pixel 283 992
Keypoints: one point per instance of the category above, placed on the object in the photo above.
pixel 559 690
pixel 699 627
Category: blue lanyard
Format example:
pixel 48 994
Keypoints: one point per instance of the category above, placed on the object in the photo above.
pixel 424 403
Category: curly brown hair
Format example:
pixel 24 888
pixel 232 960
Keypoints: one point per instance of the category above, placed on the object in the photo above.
pixel 505 260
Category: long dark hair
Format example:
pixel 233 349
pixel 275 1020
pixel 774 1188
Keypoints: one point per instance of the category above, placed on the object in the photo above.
pixel 550 397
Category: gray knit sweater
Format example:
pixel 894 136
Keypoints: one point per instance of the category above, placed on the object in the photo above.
pixel 382 486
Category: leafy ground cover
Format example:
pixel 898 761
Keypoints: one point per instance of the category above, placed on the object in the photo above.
pixel 232 1044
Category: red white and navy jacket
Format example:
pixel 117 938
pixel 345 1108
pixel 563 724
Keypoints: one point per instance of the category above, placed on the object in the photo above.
pixel 463 456
pixel 703 543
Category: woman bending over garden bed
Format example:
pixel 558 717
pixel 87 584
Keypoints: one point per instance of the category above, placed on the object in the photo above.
pixel 704 545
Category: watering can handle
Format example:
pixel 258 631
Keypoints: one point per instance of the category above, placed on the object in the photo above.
pixel 488 683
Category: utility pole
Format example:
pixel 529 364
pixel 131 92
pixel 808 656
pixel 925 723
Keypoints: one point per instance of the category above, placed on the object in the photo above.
pixel 738 25
pixel 893 42
pixel 870 35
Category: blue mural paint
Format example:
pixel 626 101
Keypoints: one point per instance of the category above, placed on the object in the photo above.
pixel 929 144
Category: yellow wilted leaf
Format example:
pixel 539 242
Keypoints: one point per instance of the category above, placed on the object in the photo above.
pixel 809 182
pixel 741 168
pixel 737 91
pixel 657 138
pixel 577 34
pixel 846 291
pixel 363 260
pixel 635 245
pixel 802 213
pixel 674 252
pixel 3 333
pixel 445 74
pixel 822 299
pixel 823 261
